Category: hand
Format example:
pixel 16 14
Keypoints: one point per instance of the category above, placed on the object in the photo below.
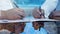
pixel 15 13
pixel 38 13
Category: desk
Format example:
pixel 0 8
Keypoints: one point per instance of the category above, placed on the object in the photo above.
pixel 25 21
pixel 28 20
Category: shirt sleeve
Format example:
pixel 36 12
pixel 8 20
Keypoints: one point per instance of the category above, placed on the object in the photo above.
pixel 49 6
pixel 43 31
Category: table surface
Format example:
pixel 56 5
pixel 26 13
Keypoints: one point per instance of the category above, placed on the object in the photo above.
pixel 28 20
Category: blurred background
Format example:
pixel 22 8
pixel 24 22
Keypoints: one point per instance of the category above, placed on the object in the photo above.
pixel 53 26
